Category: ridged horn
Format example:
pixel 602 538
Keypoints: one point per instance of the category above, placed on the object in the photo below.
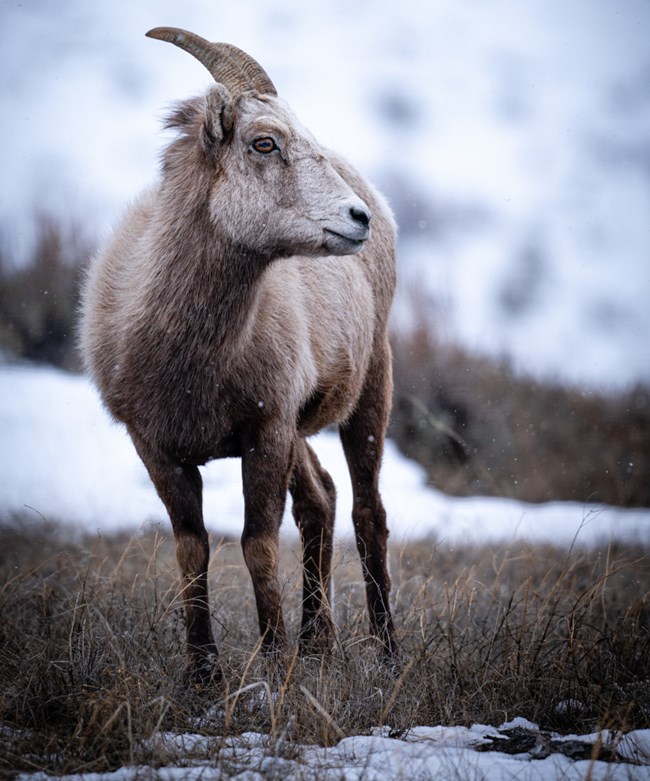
pixel 229 66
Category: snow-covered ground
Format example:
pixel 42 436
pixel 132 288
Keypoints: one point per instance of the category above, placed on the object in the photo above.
pixel 422 753
pixel 62 457
pixel 513 139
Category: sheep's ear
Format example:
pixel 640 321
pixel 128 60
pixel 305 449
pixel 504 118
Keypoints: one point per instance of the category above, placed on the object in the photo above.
pixel 219 117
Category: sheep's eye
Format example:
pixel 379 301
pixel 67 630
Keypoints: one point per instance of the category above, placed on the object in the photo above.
pixel 264 145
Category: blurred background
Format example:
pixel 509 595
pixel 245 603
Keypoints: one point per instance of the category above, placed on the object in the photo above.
pixel 512 140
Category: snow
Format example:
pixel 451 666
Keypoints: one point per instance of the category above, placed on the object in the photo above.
pixel 63 458
pixel 518 131
pixel 421 753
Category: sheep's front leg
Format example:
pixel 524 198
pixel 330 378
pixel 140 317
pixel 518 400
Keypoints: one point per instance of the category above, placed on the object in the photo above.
pixel 363 441
pixel 266 467
pixel 179 486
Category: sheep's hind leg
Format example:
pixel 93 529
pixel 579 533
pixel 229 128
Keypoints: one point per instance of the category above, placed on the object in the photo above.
pixel 314 507
pixel 363 441
pixel 179 486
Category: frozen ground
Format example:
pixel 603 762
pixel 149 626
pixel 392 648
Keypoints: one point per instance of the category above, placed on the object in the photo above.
pixel 61 457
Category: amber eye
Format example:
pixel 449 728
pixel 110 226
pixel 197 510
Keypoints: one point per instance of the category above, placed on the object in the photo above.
pixel 264 145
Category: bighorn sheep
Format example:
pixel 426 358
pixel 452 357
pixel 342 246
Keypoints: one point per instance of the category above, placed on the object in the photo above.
pixel 240 307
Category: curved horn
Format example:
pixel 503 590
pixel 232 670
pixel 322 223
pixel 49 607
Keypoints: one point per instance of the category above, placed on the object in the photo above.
pixel 229 66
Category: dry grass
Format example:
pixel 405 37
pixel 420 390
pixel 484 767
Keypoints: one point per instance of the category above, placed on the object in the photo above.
pixel 91 646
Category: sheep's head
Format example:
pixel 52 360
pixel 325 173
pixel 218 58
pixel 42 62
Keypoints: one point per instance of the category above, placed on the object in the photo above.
pixel 278 192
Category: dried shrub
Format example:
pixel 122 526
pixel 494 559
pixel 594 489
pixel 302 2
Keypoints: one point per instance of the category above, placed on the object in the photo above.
pixel 39 294
pixel 479 428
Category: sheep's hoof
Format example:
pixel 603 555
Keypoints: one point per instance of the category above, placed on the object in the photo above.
pixel 391 659
pixel 203 673
pixel 317 637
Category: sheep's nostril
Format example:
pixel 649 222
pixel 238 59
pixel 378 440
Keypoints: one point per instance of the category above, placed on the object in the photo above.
pixel 360 215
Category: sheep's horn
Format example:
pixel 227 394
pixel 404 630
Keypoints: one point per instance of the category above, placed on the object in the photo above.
pixel 229 66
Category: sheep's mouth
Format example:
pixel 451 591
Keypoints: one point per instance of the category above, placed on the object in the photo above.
pixel 342 244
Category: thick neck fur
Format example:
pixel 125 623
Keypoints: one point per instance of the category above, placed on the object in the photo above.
pixel 213 279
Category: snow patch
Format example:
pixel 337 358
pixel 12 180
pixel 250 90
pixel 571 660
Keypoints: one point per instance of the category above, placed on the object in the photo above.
pixel 61 457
